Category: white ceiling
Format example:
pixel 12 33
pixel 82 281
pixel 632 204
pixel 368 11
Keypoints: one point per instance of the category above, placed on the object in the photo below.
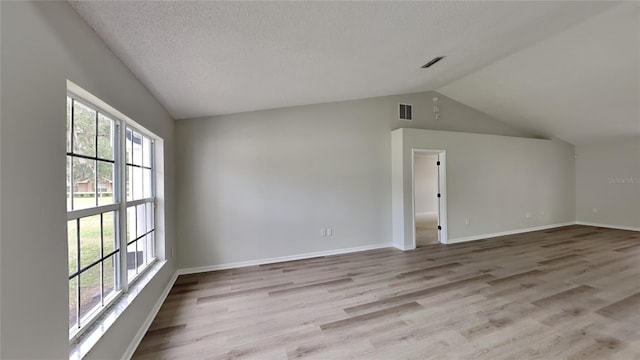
pixel 581 85
pixel 208 58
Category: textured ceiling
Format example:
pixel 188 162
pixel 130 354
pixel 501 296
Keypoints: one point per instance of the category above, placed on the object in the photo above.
pixel 207 58
pixel 581 85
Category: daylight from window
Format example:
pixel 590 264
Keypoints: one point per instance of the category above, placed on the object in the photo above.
pixel 110 207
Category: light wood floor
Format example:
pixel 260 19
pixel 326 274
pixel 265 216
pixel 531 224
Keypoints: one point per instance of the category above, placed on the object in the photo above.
pixel 567 293
pixel 426 229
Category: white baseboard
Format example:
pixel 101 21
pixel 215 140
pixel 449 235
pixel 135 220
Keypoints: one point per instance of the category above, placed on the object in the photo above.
pixel 403 248
pixel 618 227
pixel 504 233
pixel 147 322
pixel 280 259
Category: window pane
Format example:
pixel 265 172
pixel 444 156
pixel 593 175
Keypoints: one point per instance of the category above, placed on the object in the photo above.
pixel 147 150
pixel 131 261
pixel 146 185
pixel 73 303
pixel 89 290
pixel 69 124
pixel 89 240
pixel 129 181
pixel 137 149
pixel 151 246
pixel 84 175
pixel 128 136
pixel 109 232
pixel 150 216
pixel 142 253
pixel 105 137
pixel 105 183
pixel 131 223
pixel 137 183
pixel 69 182
pixel 72 233
pixel 109 276
pixel 141 227
pixel 84 130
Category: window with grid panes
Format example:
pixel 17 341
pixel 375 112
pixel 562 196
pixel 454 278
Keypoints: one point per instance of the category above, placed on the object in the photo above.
pixel 140 201
pixel 110 207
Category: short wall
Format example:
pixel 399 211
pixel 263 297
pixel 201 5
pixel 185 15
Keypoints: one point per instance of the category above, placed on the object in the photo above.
pixel 499 183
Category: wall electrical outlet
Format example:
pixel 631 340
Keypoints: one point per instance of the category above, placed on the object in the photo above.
pixel 323 232
pixel 329 231
pixel 466 221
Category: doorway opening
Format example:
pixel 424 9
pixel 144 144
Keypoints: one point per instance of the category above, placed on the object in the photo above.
pixel 429 204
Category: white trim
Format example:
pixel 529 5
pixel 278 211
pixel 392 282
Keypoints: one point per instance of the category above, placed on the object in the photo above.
pixel 281 259
pixel 403 247
pixel 96 210
pixel 510 232
pixel 147 322
pixel 139 201
pixel 443 233
pixel 98 104
pixel 122 198
pixel 618 227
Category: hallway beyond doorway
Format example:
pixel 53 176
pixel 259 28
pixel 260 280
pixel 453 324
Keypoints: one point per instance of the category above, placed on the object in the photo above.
pixel 426 229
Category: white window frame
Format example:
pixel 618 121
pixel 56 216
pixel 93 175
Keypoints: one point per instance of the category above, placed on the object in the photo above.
pixel 120 205
pixel 125 204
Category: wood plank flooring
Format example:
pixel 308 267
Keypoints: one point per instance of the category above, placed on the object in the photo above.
pixel 426 229
pixel 567 293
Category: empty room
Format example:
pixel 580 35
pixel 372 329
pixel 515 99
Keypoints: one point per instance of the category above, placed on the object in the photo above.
pixel 320 180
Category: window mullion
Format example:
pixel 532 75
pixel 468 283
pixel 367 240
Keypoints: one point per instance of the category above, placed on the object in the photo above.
pixel 153 171
pixel 78 297
pixel 71 215
pixel 102 259
pixel 142 164
pixel 122 192
pixel 135 254
pixel 72 142
pixel 95 184
pixel 153 195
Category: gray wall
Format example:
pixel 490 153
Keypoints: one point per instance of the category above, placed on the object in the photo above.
pixel 494 181
pixel 262 184
pixel 43 44
pixel 608 183
pixel 426 183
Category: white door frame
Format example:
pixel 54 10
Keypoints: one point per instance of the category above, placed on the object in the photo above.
pixel 442 187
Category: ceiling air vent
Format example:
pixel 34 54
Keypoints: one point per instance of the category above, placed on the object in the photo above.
pixel 405 112
pixel 432 62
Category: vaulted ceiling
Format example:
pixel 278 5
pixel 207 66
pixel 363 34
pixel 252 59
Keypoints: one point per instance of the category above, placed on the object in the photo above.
pixel 526 63
pixel 581 85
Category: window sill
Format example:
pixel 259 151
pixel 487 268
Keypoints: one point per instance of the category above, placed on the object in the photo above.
pixel 83 344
